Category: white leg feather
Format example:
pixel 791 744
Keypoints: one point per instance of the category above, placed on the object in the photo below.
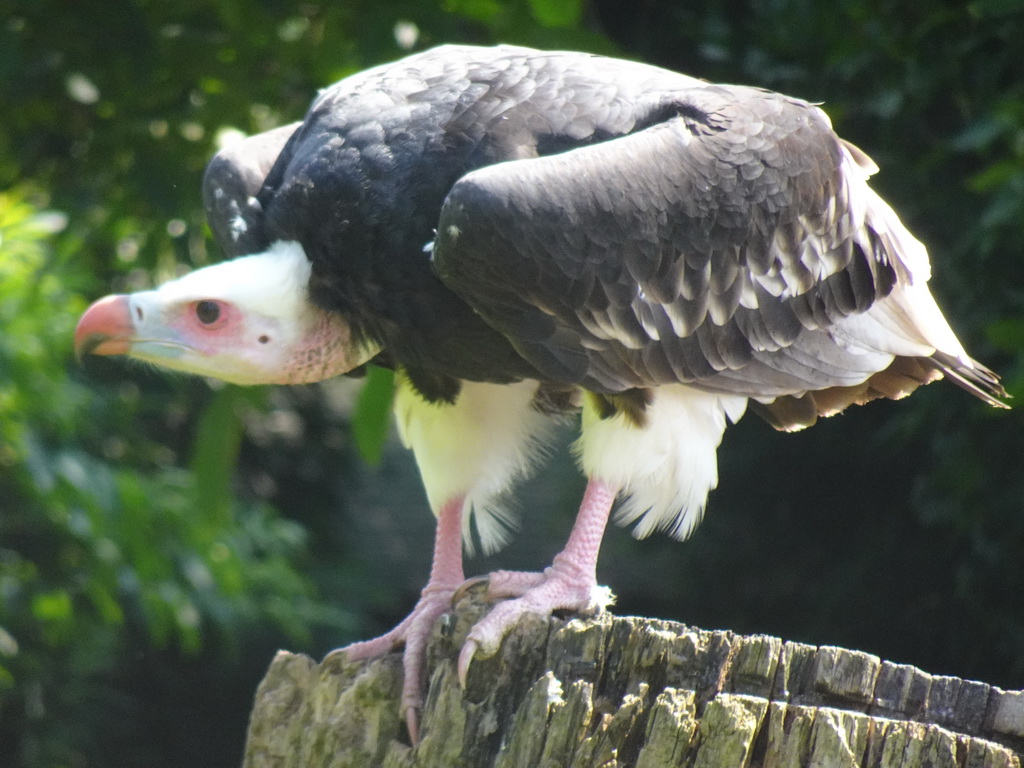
pixel 666 468
pixel 478 447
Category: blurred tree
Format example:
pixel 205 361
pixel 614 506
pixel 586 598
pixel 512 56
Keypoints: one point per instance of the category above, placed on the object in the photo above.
pixel 108 550
pixel 142 559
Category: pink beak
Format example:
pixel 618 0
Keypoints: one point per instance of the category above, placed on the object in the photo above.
pixel 106 328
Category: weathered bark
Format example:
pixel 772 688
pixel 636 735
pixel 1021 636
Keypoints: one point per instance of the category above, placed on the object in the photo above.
pixel 616 692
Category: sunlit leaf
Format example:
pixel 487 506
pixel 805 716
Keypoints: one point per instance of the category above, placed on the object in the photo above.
pixel 215 453
pixel 557 13
pixel 52 606
pixel 371 417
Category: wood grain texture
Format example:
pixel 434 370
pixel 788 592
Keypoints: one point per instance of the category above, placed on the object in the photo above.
pixel 620 692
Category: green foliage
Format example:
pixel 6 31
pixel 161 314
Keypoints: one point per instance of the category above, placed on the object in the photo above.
pixel 216 452
pixel 371 418
pixel 557 13
pixel 92 550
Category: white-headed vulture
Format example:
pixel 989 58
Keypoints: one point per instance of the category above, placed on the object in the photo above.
pixel 522 234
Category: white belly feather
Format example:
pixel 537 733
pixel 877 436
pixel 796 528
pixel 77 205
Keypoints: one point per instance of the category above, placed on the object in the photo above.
pixel 667 468
pixel 492 437
pixel 477 447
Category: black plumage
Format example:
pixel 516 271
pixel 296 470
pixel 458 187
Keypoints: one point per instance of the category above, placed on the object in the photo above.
pixel 598 222
pixel 682 220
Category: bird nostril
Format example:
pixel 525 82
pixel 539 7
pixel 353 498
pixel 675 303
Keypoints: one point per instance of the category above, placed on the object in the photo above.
pixel 264 339
pixel 138 313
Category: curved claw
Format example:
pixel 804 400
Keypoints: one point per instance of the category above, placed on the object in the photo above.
pixel 445 575
pixel 465 657
pixel 412 722
pixel 501 584
pixel 463 589
pixel 414 631
pixel 543 593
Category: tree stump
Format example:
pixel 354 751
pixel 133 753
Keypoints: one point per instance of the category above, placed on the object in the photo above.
pixel 615 691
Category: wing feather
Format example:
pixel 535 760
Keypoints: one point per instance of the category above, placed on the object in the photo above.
pixel 232 180
pixel 731 227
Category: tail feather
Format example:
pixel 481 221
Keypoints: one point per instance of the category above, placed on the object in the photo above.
pixel 973 377
pixel 794 412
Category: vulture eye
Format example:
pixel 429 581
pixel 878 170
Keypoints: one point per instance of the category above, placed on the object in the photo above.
pixel 207 312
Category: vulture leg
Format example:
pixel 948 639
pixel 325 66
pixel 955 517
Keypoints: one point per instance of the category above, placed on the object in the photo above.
pixel 570 583
pixel 445 576
pixel 468 452
pixel 674 448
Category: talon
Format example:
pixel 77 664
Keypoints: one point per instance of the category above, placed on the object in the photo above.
pixel 465 657
pixel 412 723
pixel 463 589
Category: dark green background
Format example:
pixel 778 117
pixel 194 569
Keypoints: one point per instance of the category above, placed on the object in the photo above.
pixel 160 537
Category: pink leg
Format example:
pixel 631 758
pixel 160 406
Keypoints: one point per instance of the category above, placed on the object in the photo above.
pixel 445 576
pixel 570 583
pixel 501 584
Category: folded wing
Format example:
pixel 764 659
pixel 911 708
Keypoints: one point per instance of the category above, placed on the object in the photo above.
pixel 733 244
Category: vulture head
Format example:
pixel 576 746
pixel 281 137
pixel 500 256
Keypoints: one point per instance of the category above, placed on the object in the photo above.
pixel 246 321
